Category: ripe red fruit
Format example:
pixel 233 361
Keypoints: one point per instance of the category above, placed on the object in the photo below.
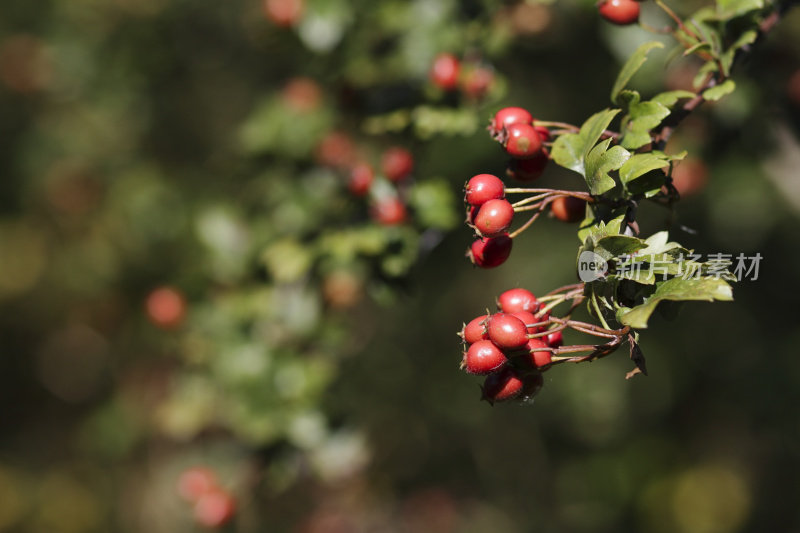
pixel 482 188
pixel 508 116
pixel 528 318
pixel 531 385
pixel 507 331
pixel 528 169
pixel 501 386
pixel 389 211
pixel 336 150
pixel 166 307
pixel 539 357
pixel 196 481
pixel 477 82
pixel 397 163
pixel 283 12
pixel 214 508
pixel 555 339
pixel 515 300
pixel 444 71
pixel 361 178
pixel 494 217
pixel 475 330
pixel 482 357
pixel 472 212
pixel 490 252
pixel 621 12
pixel 690 176
pixel 522 141
pixel 302 94
pixel 544 133
pixel 568 209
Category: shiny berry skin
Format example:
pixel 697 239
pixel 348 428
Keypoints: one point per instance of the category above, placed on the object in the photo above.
pixel 214 508
pixel 501 386
pixel 166 307
pixel 528 169
pixel 490 252
pixel 389 211
pixel 528 318
pixel 361 178
pixel 568 209
pixel 542 357
pixel 483 357
pixel 555 339
pixel 475 330
pixel 494 217
pixel 508 116
pixel 482 188
pixel 522 141
pixel 515 300
pixel 620 12
pixel 445 70
pixel 507 331
pixel 196 481
pixel 397 163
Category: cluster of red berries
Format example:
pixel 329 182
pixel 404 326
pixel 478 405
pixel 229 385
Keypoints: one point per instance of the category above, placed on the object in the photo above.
pixel 387 207
pixel 490 214
pixel 449 74
pixel 620 12
pixel 212 505
pixel 513 127
pixel 510 347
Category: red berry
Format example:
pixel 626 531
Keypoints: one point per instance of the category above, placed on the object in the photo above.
pixel 568 209
pixel 196 481
pixel 477 82
pixel 482 358
pixel 531 385
pixel 508 116
pixel 690 176
pixel 397 163
pixel 502 385
pixel 555 339
pixel 214 508
pixel 336 150
pixel 507 331
pixel 528 318
pixel 166 307
pixel 302 94
pixel 544 133
pixel 444 72
pixel 482 188
pixel 475 330
pixel 283 12
pixel 515 300
pixel 539 357
pixel 389 211
pixel 522 141
pixel 490 252
pixel 528 169
pixel 494 217
pixel 621 12
pixel 361 177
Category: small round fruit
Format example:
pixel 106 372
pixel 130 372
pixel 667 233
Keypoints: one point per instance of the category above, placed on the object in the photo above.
pixel 389 211
pixel 490 252
pixel 620 12
pixel 166 307
pixel 531 385
pixel 494 217
pixel 302 94
pixel 483 357
pixel 196 481
pixel 214 508
pixel 522 141
pixel 476 82
pixel 482 188
pixel 515 300
pixel 444 71
pixel 539 357
pixel 555 339
pixel 475 330
pixel 397 163
pixel 361 178
pixel 508 116
pixel 507 331
pixel 501 386
pixel 690 177
pixel 543 132
pixel 568 209
pixel 284 12
pixel 528 318
pixel 336 150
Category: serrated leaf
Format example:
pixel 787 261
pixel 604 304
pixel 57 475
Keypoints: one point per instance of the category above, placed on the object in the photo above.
pixel 720 91
pixel 678 289
pixel 669 98
pixel 631 66
pixel 617 245
pixel 642 117
pixel 639 165
pixel 735 8
pixel 570 150
pixel 600 161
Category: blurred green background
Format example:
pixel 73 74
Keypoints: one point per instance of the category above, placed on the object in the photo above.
pixel 168 143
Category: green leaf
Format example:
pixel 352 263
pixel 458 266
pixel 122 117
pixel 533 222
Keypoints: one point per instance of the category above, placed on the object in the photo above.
pixel 639 165
pixel 617 245
pixel 570 150
pixel 670 98
pixel 600 162
pixel 642 118
pixel 678 289
pixel 699 46
pixel 733 8
pixel 702 74
pixel 747 38
pixel 723 89
pixel 634 63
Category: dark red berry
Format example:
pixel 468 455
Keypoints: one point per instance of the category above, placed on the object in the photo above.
pixel 528 318
pixel 490 252
pixel 568 209
pixel 397 163
pixel 528 169
pixel 539 357
pixel 494 217
pixel 214 508
pixel 515 300
pixel 507 331
pixel 475 330
pixel 501 386
pixel 555 339
pixel 482 357
pixel 508 116
pixel 361 177
pixel 522 141
pixel 544 133
pixel 444 71
pixel 389 211
pixel 621 12
pixel 482 188
pixel 531 385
